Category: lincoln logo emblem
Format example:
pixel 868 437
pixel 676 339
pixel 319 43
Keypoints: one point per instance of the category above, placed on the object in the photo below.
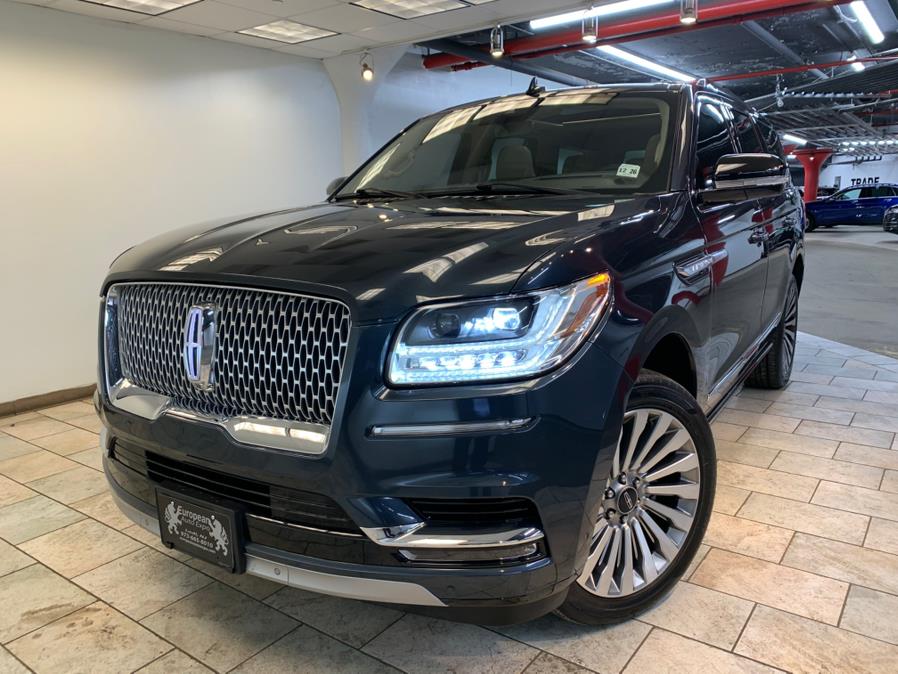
pixel 200 345
pixel 627 500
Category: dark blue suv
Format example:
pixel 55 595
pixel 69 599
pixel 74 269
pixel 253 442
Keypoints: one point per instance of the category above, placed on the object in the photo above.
pixel 478 379
pixel 853 206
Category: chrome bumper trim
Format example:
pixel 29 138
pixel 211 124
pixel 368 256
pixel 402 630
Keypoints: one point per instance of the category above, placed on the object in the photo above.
pixel 460 428
pixel 350 587
pixel 291 525
pixel 416 536
pixel 289 436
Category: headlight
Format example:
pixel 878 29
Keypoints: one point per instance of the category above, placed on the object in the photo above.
pixel 497 339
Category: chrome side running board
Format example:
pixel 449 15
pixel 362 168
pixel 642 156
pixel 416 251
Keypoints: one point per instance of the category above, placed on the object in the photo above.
pixel 726 383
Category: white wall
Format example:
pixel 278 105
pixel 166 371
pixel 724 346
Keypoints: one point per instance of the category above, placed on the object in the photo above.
pixel 111 133
pixel 886 170
pixel 410 92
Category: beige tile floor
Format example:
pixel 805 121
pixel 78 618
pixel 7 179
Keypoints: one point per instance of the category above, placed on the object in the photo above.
pixel 799 571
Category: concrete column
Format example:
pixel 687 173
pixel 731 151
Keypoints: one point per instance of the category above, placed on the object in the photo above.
pixel 356 97
pixel 812 161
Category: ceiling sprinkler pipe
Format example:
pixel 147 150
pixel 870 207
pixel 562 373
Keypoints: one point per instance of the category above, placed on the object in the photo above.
pixel 734 11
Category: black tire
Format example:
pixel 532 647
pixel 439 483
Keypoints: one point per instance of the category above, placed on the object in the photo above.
pixel 654 392
pixel 775 370
pixel 812 223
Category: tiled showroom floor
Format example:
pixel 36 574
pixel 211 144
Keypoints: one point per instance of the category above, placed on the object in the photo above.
pixel 800 570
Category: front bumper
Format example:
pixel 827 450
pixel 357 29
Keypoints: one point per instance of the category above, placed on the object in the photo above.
pixel 558 463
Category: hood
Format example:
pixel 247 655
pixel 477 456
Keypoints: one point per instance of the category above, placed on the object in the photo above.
pixel 382 258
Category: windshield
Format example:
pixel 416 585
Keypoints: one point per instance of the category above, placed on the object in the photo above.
pixel 565 142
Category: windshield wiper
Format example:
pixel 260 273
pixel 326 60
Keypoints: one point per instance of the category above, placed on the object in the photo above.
pixel 499 188
pixel 377 193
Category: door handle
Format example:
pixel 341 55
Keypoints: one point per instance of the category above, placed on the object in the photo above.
pixel 758 236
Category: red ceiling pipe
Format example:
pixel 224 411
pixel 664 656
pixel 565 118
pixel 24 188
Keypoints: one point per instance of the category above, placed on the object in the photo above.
pixel 807 6
pixel 797 69
pixel 738 10
pixel 812 161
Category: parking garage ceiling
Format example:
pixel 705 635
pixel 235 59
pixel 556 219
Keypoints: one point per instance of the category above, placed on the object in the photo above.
pixel 813 66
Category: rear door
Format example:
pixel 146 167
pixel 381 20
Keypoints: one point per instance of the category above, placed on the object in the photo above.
pixel 873 207
pixel 735 244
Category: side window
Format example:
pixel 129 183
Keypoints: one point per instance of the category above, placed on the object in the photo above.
pixel 747 135
pixel 883 191
pixel 713 142
pixel 849 195
pixel 867 192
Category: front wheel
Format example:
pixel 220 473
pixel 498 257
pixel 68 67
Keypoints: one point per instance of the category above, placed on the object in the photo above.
pixel 655 506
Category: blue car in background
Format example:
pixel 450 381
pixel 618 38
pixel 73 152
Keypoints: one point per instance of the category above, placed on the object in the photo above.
pixel 853 206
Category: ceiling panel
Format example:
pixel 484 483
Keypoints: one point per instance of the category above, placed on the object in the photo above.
pixel 282 8
pixel 344 18
pixel 91 9
pixel 166 23
pixel 216 14
pixel 359 28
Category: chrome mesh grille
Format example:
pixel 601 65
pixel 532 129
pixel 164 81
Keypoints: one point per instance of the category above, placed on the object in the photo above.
pixel 279 355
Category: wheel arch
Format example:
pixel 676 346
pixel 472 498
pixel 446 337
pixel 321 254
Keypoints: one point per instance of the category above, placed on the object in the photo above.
pixel 668 345
pixel 798 270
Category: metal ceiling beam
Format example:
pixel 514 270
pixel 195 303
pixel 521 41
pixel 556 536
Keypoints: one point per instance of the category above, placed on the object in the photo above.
pixel 769 39
pixel 640 27
pixel 799 69
pixel 466 52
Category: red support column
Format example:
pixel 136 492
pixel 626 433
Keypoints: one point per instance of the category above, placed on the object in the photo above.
pixel 812 161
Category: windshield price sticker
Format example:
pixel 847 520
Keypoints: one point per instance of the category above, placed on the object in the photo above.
pixel 628 171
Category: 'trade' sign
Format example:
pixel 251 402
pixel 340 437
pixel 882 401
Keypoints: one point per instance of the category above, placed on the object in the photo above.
pixel 873 180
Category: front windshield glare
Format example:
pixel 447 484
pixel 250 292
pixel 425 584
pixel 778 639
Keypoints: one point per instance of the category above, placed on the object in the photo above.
pixel 575 141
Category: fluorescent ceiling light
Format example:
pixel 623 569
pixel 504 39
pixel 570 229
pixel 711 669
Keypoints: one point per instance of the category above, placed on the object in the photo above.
pixel 855 64
pixel 862 12
pixel 287 31
pixel 409 9
pixel 601 10
pixel 794 139
pixel 641 62
pixel 151 7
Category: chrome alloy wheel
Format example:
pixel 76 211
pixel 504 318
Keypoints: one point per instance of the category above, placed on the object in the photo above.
pixel 790 328
pixel 649 505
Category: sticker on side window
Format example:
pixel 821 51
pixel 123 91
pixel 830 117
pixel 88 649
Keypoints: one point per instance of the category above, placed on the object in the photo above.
pixel 628 171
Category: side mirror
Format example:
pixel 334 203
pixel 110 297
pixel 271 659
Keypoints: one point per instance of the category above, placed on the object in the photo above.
pixel 334 185
pixel 747 176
